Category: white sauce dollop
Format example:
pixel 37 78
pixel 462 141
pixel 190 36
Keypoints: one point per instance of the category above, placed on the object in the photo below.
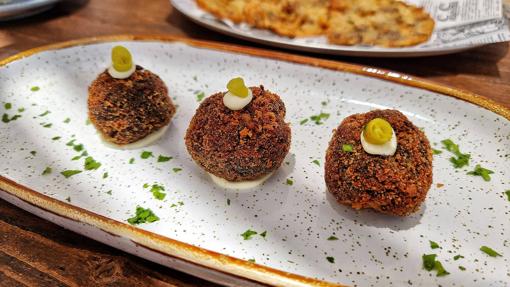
pixel 121 75
pixel 247 184
pixel 146 141
pixel 236 103
pixel 388 148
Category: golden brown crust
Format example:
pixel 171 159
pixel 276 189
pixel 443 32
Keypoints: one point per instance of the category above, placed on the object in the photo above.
pixel 239 145
pixel 125 111
pixel 387 23
pixel 395 184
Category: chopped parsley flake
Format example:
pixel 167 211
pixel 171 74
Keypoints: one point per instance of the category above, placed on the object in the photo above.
pixel 347 148
pixel 142 215
pixel 461 159
pixel 428 261
pixel 34 88
pixel 440 269
pixel 248 234
pixel 48 125
pixel 91 164
pixel 44 114
pixel 263 234
pixel 146 154
pixel 489 251
pixel 55 138
pixel 483 172
pixel 228 201
pixel 157 191
pixel 457 257
pixel 70 143
pixel 176 169
pixel 330 259
pixel 163 158
pixel 68 199
pixel 21 110
pixel 200 96
pixel 109 192
pixel 317 162
pixel 145 185
pixel 436 151
pixel 33 152
pixel 7 106
pixel 318 119
pixel 46 171
pixel 251 260
pixel 433 244
pixel 105 175
pixel 77 157
pixel 6 119
pixel 332 238
pixel 131 160
pixel 462 268
pixel 179 203
pixel 304 121
pixel 508 194
pixel 69 173
pixel 289 181
pixel 67 120
pixel 78 147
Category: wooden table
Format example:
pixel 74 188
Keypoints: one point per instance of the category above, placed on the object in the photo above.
pixel 84 262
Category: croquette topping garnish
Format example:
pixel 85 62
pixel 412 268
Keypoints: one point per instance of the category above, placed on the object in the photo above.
pixel 238 95
pixel 237 88
pixel 122 63
pixel 378 138
pixel 378 131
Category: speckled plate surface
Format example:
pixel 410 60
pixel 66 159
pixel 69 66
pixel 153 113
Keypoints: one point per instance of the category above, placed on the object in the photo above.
pixel 202 223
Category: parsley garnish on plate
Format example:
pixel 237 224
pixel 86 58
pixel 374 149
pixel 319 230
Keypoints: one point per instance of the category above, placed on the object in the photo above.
pixel 489 251
pixel 7 106
pixel 462 268
pixel 318 119
pixel 34 88
pixel 146 154
pixel 317 162
pixel 44 114
pixel 163 158
pixel 332 238
pixel 228 201
pixel 157 191
pixel 131 160
pixel 176 169
pixel 457 257
pixel 433 244
pixel 55 138
pixel 436 151
pixel 142 215
pixel 483 172
pixel 46 171
pixel 67 120
pixel 248 234
pixel 200 96
pixel 105 175
pixel 460 159
pixel 263 234
pixel 91 164
pixel 430 263
pixel 69 173
pixel 330 259
pixel 508 194
pixel 304 121
pixel 289 181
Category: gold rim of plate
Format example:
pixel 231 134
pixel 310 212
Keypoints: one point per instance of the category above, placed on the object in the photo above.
pixel 188 252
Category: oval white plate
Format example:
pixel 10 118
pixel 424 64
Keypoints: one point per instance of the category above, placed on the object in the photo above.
pixel 310 44
pixel 200 221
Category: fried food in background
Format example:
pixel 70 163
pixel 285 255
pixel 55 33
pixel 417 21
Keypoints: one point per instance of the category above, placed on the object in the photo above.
pixel 387 23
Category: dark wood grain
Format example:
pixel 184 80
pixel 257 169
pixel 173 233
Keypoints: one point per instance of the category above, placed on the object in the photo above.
pixel 29 244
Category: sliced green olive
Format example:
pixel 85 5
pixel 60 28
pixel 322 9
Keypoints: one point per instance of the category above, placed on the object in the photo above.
pixel 121 59
pixel 378 131
pixel 236 87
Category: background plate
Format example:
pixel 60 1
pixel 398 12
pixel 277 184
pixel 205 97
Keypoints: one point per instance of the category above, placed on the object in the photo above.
pixel 310 44
pixel 196 216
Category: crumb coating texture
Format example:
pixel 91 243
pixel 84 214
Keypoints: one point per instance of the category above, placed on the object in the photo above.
pixel 395 184
pixel 239 145
pixel 127 110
